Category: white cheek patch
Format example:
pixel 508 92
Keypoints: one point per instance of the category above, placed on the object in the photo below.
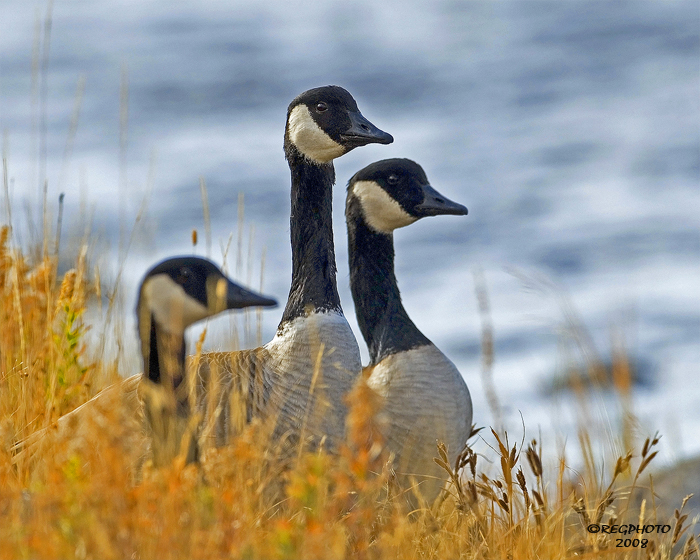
pixel 310 139
pixel 172 308
pixel 382 213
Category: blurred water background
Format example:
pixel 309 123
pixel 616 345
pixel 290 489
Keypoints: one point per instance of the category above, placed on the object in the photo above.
pixel 571 131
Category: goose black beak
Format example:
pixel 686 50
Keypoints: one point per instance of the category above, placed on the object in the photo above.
pixel 434 204
pixel 238 297
pixel 363 132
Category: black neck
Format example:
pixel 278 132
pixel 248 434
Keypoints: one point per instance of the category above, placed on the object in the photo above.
pixel 157 362
pixel 311 227
pixel 385 325
pixel 152 365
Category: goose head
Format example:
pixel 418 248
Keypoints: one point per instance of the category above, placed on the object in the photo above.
pixel 180 291
pixel 324 123
pixel 394 193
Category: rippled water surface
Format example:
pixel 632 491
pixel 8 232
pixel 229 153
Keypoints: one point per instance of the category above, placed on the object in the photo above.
pixel 571 131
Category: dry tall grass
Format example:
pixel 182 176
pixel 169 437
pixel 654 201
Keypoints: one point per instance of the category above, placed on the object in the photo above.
pixel 86 491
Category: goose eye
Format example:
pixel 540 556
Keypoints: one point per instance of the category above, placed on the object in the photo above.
pixel 321 107
pixel 183 276
pixel 392 179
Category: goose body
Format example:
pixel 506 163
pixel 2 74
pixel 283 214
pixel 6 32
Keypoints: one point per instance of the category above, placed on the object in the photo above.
pixel 303 373
pixel 425 396
pixel 173 295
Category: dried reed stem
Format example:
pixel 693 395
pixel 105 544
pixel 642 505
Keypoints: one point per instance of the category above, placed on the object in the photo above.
pixel 487 348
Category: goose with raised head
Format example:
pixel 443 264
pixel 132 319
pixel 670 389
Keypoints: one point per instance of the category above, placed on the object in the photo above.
pixel 313 359
pixel 173 295
pixel 425 396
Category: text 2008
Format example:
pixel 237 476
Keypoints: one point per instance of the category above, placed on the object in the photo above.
pixel 631 542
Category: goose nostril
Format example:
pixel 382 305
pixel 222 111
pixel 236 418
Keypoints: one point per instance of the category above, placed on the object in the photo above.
pixel 440 200
pixel 364 127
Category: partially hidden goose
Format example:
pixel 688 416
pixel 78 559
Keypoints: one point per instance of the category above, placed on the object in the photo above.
pixel 301 376
pixel 425 397
pixel 173 295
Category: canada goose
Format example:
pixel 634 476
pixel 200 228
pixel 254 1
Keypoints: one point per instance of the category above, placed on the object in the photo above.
pixel 426 398
pixel 173 295
pixel 313 359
